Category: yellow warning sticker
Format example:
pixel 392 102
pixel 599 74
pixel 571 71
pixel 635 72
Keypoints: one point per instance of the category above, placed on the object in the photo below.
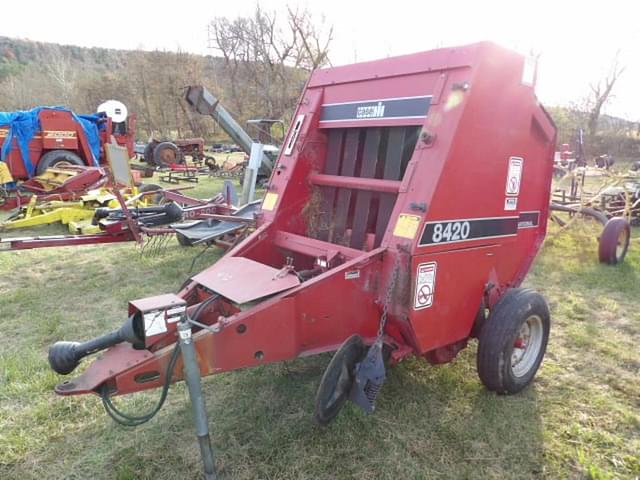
pixel 407 226
pixel 269 201
pixel 5 174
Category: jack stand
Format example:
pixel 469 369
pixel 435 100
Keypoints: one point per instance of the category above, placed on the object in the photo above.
pixel 192 377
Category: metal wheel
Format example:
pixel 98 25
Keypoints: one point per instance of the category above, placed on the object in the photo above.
pixel 337 380
pixel 527 346
pixel 167 153
pixel 622 243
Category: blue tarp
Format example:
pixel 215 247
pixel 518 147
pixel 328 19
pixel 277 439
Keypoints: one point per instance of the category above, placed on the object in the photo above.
pixel 23 125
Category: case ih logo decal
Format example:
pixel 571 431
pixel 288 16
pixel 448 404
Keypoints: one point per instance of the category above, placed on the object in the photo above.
pixel 371 111
pixel 453 231
pixel 405 107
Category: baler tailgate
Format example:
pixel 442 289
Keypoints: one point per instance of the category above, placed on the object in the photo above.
pixel 359 199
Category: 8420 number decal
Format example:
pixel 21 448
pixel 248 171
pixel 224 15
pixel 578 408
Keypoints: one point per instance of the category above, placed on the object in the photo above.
pixel 451 231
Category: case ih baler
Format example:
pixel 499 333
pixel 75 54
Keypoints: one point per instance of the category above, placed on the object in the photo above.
pixel 406 207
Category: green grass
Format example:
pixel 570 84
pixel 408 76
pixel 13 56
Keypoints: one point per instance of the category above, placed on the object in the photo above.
pixel 580 419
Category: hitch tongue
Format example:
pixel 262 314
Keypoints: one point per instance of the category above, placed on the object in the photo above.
pixel 64 357
pixel 369 377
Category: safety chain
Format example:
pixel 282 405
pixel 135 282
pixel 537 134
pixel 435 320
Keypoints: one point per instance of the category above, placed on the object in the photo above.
pixel 387 302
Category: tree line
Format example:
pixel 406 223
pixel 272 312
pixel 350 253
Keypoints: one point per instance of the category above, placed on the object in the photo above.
pixel 257 68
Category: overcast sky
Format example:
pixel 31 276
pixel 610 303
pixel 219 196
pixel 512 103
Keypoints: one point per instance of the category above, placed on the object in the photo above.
pixel 577 40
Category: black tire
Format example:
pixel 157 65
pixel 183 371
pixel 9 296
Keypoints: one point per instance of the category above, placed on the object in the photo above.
pixel 167 153
pixel 57 157
pixel 147 156
pixel 151 187
pixel 502 341
pixel 614 241
pixel 337 380
pixel 183 240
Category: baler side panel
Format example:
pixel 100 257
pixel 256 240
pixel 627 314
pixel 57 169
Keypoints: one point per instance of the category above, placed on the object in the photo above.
pixel 443 313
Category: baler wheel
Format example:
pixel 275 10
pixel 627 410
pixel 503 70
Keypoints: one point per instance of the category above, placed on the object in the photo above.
pixel 513 341
pixel 337 379
pixel 614 241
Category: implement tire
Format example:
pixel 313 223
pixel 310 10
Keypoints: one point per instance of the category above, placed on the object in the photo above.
pixel 614 241
pixel 338 379
pixel 513 341
pixel 183 240
pixel 58 158
pixel 166 153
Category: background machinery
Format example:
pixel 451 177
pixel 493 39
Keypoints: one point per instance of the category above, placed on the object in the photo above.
pixel 44 137
pixel 205 103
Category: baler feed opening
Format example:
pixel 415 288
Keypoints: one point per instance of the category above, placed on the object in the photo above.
pixel 350 211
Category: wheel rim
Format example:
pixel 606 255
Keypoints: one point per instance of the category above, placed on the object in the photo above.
pixel 168 156
pixel 527 345
pixel 337 380
pixel 63 163
pixel 342 387
pixel 622 243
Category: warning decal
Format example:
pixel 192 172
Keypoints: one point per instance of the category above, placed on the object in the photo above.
pixel 510 203
pixel 425 285
pixel 154 323
pixel 270 200
pixel 514 175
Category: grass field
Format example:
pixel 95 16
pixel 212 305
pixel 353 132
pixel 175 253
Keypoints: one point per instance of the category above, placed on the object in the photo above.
pixel 580 419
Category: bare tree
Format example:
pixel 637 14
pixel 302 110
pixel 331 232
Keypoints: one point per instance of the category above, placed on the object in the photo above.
pixel 266 57
pixel 60 69
pixel 601 94
pixel 313 51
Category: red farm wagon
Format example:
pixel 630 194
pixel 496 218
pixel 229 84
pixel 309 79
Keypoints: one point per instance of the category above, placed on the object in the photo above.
pixel 46 137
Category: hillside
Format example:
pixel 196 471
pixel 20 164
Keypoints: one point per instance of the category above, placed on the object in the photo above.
pixel 20 53
pixel 150 83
